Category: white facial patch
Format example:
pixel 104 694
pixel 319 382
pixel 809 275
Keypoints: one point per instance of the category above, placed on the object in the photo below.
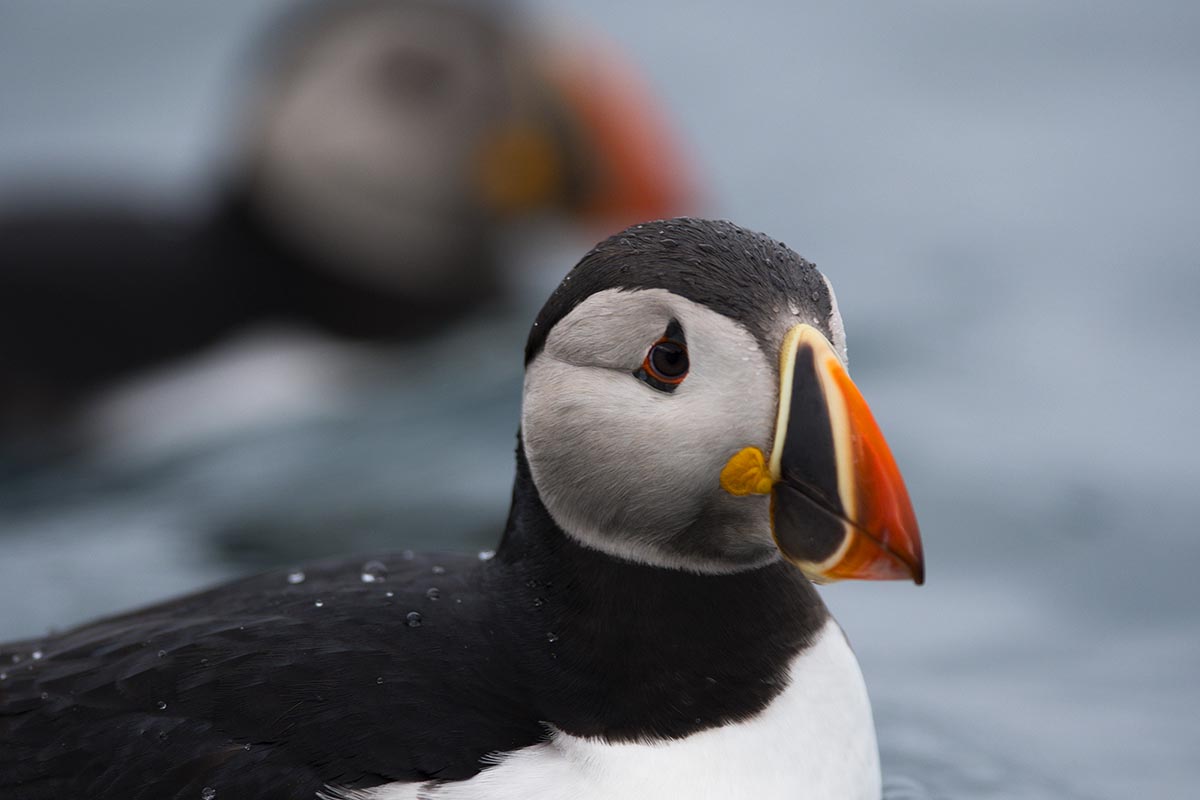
pixel 365 148
pixel 635 471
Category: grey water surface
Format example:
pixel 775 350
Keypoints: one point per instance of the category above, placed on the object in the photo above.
pixel 1006 197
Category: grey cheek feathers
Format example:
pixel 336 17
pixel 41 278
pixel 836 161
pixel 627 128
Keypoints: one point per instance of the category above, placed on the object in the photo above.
pixel 635 472
pixel 611 329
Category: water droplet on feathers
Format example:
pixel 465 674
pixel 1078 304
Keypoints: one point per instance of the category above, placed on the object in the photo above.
pixel 413 619
pixel 373 572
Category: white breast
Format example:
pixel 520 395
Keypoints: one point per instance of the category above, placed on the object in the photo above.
pixel 815 741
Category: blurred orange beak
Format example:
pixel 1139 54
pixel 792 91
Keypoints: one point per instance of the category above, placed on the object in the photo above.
pixel 839 508
pixel 637 172
pixel 602 149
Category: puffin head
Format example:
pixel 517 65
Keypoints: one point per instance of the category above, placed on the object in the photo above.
pixel 687 405
pixel 393 138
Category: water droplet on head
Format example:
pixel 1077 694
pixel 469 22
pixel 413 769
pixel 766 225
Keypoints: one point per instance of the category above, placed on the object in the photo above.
pixel 793 307
pixel 433 593
pixel 438 570
pixel 373 572
pixel 161 705
pixel 379 680
pixel 3 676
pixel 162 653
pixel 816 296
pixel 487 555
pixel 45 695
pixel 552 637
pixel 208 793
pixel 389 594
pixel 538 602
pixel 295 577
pixel 413 618
pixel 246 746
pixel 36 655
pixel 319 603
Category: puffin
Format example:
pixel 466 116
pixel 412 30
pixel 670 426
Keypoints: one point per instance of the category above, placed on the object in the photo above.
pixel 378 156
pixel 692 456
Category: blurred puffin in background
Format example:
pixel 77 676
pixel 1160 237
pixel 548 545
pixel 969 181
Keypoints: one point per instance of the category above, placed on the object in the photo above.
pixel 382 148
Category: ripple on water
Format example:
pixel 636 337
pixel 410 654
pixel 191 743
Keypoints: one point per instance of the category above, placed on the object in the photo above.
pixel 925 760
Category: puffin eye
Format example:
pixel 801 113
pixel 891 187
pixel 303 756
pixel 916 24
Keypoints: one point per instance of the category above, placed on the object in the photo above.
pixel 665 365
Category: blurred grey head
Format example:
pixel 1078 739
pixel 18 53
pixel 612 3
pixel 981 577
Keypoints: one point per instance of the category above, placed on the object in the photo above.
pixel 363 132
pixel 630 468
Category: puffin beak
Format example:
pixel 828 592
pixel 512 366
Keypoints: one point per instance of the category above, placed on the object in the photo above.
pixel 636 171
pixel 839 508
pixel 598 147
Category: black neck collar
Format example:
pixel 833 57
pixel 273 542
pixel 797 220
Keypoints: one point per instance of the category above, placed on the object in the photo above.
pixel 627 651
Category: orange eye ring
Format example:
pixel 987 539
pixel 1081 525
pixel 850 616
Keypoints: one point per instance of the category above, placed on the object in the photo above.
pixel 665 365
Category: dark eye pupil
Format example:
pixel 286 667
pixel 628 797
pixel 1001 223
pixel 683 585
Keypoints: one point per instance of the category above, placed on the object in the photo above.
pixel 669 359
